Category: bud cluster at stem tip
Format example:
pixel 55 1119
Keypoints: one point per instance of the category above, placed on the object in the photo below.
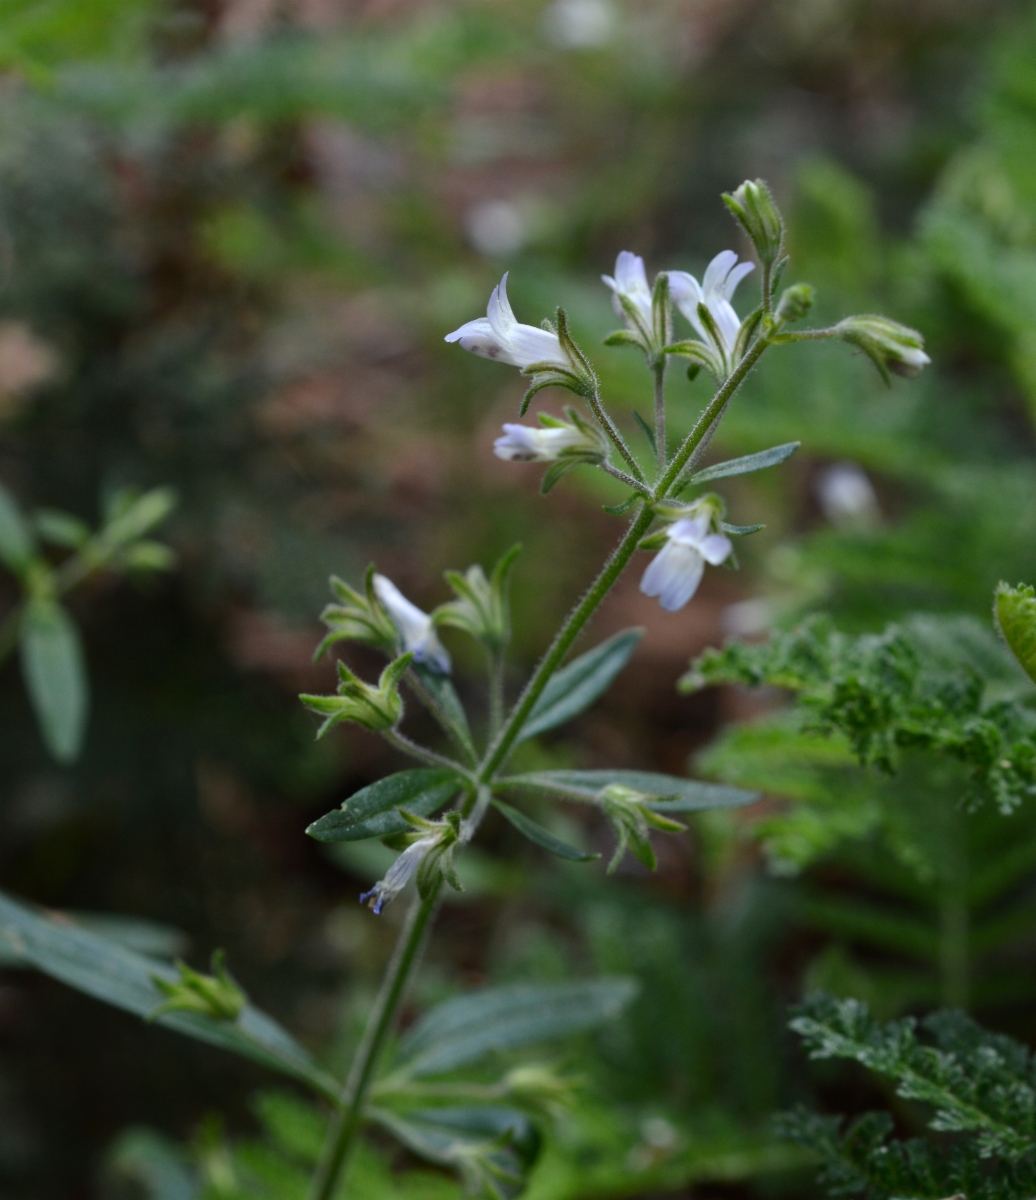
pixel 376 708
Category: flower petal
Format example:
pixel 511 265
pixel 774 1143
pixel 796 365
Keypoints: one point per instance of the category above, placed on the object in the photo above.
pixel 630 274
pixel 501 318
pixel 716 548
pixel 527 345
pixel 477 337
pixel 734 278
pixel 717 271
pixel 673 575
pixel 728 321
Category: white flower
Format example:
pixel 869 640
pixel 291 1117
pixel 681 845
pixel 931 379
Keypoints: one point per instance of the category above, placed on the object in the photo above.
pixel 399 874
pixel 674 573
pixel 499 336
pixel 630 281
pixel 416 631
pixel 716 291
pixel 524 443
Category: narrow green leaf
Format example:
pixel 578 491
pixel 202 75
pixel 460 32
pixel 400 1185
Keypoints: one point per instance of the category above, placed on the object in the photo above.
pixel 117 976
pixel 623 506
pixel 441 695
pixel 747 464
pixel 371 812
pixel 740 530
pixel 649 433
pixel 17 545
pixel 542 837
pixel 675 794
pixel 55 676
pixel 464 1030
pixel 578 685
pixel 60 528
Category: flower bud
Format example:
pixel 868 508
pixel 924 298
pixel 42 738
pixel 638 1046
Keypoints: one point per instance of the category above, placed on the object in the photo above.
pixel 630 818
pixel 889 345
pixel 481 608
pixel 1014 610
pixel 794 303
pixel 215 995
pixel 540 1089
pixel 375 708
pixel 754 210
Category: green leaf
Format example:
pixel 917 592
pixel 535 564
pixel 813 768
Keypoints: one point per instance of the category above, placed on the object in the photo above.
pixel 493 1020
pixel 649 433
pixel 135 933
pixel 441 696
pixel 61 528
pixel 371 812
pixel 117 976
pixel 152 1165
pixel 17 545
pixel 740 530
pixel 1014 611
pixel 489 1145
pixel 55 676
pixel 747 464
pixel 623 506
pixel 675 794
pixel 578 685
pixel 542 837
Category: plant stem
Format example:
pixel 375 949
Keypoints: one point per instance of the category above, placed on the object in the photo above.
pixel 496 692
pixel 660 427
pixel 708 418
pixel 606 423
pixel 628 480
pixel 346 1121
pixel 422 753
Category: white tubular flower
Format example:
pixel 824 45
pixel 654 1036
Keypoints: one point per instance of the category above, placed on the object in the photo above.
pixel 674 573
pixel 630 280
pixel 399 874
pixel 416 631
pixel 499 336
pixel 716 291
pixel 524 443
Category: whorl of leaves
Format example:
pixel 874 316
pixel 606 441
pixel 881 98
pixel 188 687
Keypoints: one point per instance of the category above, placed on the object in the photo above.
pixel 882 692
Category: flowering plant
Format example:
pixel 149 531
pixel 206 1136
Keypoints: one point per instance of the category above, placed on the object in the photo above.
pixel 430 813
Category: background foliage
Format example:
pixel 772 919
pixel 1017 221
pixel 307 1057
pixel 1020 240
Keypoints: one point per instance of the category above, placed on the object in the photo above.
pixel 232 236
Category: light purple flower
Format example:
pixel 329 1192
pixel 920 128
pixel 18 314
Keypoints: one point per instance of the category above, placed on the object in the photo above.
pixel 399 874
pixel 716 291
pixel 630 280
pixel 499 336
pixel 524 443
pixel 674 573
pixel 416 631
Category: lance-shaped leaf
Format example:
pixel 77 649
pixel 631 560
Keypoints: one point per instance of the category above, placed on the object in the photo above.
pixel 674 794
pixel 578 685
pixel 55 676
pixel 17 545
pixel 535 832
pixel 372 811
pixel 747 464
pixel 436 690
pixel 462 1031
pixel 117 976
pixel 491 1147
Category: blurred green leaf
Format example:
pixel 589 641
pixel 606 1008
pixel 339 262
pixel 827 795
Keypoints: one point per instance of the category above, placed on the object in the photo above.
pixel 674 794
pixel 55 676
pixel 17 545
pixel 117 976
pixel 149 1161
pixel 463 1030
pixel 60 528
pixel 747 464
pixel 542 837
pixel 371 812
pixel 578 685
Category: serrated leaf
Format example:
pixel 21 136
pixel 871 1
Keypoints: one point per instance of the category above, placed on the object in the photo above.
pixel 675 794
pixel 17 545
pixel 578 685
pixel 117 976
pixel 371 812
pixel 747 464
pixel 55 676
pixel 535 832
pixel 493 1020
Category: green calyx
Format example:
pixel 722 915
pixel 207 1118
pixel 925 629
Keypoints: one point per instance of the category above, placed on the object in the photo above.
pixel 216 995
pixel 754 209
pixel 1014 613
pixel 482 607
pixel 375 708
pixel 631 820
pixel 889 345
pixel 795 303
pixel 357 617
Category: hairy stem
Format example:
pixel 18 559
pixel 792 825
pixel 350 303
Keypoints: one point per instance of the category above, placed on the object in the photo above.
pixel 608 425
pixel 708 418
pixel 347 1120
pixel 496 692
pixel 660 426
pixel 422 753
pixel 628 480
